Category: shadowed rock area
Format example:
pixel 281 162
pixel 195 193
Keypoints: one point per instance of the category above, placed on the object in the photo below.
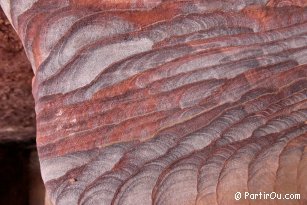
pixel 20 179
pixel 17 118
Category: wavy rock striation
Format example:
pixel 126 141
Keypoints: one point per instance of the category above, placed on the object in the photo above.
pixel 168 102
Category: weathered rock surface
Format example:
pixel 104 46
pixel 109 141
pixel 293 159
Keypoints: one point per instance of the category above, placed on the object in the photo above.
pixel 168 102
pixel 20 178
pixel 17 116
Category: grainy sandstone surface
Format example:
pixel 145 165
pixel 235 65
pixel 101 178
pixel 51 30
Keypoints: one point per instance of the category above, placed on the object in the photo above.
pixel 168 102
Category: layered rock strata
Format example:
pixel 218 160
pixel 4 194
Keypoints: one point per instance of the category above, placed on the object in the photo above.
pixel 168 102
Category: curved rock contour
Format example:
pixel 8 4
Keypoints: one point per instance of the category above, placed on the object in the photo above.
pixel 168 102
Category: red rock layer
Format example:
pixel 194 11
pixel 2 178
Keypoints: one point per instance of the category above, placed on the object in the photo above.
pixel 168 102
pixel 17 115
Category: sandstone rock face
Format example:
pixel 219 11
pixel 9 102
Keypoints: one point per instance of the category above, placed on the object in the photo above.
pixel 20 179
pixel 168 102
pixel 17 116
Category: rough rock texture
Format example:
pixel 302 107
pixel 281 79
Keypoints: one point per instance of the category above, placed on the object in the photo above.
pixel 168 102
pixel 20 178
pixel 17 116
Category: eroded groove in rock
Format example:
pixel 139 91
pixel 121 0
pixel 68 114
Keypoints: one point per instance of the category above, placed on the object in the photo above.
pixel 168 102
